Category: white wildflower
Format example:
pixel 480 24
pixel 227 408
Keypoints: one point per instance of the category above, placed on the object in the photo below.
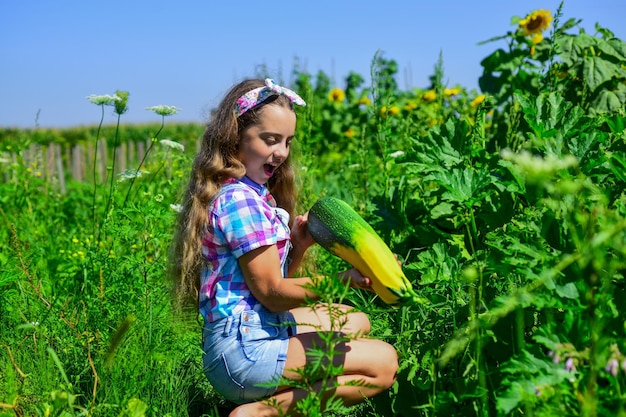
pixel 612 367
pixel 396 154
pixel 176 207
pixel 537 168
pixel 352 166
pixel 131 173
pixel 163 110
pixel 103 100
pixel 172 145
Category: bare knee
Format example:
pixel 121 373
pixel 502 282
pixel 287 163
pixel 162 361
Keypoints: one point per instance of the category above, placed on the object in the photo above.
pixel 387 365
pixel 359 323
pixel 353 322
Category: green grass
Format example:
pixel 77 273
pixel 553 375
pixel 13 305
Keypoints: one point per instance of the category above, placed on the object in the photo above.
pixel 509 217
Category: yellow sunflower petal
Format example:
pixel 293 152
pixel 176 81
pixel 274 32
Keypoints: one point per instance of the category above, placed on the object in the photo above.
pixel 535 22
pixel 430 95
pixel 336 95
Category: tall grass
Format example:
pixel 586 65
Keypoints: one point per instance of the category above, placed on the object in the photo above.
pixel 506 207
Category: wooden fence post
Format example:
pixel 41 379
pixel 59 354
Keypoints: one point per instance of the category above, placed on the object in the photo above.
pixel 141 150
pixel 49 162
pixel 121 158
pixel 130 155
pixel 77 163
pixel 148 144
pixel 61 169
pixel 90 172
pixel 103 158
pixel 61 162
pixel 32 158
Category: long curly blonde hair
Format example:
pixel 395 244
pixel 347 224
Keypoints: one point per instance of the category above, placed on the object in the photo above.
pixel 216 162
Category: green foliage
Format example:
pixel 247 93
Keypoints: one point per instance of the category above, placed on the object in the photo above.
pixel 508 211
pixel 14 140
pixel 86 318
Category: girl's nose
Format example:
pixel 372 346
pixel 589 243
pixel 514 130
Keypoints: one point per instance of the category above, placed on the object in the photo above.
pixel 281 152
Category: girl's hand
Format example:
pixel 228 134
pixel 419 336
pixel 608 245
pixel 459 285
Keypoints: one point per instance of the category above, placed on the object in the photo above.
pixel 300 236
pixel 357 280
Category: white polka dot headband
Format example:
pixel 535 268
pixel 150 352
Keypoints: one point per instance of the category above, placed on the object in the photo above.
pixel 258 95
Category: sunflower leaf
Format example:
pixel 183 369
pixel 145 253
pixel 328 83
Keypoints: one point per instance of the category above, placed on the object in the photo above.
pixel 596 71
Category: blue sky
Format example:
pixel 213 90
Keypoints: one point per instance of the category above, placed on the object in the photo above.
pixel 188 53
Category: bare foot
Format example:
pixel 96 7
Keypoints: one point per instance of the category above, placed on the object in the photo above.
pixel 256 409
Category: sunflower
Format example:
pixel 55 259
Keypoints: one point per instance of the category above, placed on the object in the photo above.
pixel 430 95
pixel 337 95
pixel 477 100
pixel 364 101
pixel 536 38
pixel 535 22
pixel 389 111
pixel 449 92
pixel 410 105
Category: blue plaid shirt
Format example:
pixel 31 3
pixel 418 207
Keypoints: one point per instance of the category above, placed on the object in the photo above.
pixel 242 217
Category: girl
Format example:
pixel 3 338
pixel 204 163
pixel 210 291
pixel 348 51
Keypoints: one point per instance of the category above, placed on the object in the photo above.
pixel 236 244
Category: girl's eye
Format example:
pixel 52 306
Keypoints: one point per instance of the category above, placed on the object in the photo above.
pixel 270 140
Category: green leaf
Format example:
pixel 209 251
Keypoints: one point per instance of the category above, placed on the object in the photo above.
pixel 491 62
pixel 583 146
pixel 565 45
pixel 571 121
pixel 617 163
pixel 462 185
pixel 494 85
pixel 597 71
pixel 616 123
pixel 528 107
pixel 136 408
pixel 570 23
pixel 572 47
pixel 615 48
pixel 495 38
pixel 608 101
pixel 440 149
pixel 439 263
pixel 511 398
pixel 568 290
pixel 442 210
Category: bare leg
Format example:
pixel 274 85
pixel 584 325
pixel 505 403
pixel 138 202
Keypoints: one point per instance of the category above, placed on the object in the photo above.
pixel 370 363
pixel 335 317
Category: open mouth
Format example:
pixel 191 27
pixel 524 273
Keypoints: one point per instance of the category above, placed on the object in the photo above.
pixel 269 169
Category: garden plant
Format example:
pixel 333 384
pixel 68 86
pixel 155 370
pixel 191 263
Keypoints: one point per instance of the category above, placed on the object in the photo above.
pixel 506 207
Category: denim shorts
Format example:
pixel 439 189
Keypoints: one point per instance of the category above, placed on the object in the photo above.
pixel 243 351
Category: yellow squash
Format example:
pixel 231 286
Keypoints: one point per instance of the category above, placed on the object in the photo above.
pixel 340 230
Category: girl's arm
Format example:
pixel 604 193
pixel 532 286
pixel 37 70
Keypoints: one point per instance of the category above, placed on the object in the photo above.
pixel 301 240
pixel 261 270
